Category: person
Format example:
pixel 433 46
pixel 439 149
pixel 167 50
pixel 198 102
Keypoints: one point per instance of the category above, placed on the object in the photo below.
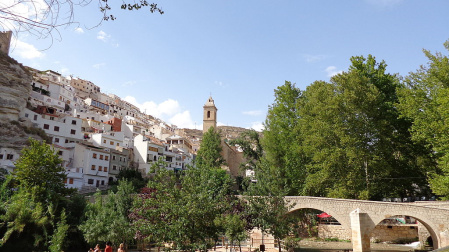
pixel 108 247
pixel 121 248
pixel 97 248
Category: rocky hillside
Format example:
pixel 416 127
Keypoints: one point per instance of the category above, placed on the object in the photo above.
pixel 15 89
pixel 226 132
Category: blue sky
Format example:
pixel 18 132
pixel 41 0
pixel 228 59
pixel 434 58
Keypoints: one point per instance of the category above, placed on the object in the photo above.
pixel 236 51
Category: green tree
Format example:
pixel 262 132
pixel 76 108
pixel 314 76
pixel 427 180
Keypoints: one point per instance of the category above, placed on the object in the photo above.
pixel 39 170
pixel 107 218
pixel 425 100
pixel 267 205
pixel 34 214
pixel 357 145
pixel 281 141
pixel 209 154
pixel 183 208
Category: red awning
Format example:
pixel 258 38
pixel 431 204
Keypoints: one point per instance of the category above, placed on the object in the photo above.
pixel 323 215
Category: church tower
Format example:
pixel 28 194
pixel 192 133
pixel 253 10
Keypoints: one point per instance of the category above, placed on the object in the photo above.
pixel 210 115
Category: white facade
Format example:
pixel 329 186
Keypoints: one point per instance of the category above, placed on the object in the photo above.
pixel 94 162
pixel 112 140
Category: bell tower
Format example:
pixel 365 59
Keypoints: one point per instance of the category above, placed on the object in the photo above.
pixel 209 115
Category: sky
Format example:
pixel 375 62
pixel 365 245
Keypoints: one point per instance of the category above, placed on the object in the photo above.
pixel 236 51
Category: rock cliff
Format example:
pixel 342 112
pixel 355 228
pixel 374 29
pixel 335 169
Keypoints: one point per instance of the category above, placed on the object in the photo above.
pixel 15 88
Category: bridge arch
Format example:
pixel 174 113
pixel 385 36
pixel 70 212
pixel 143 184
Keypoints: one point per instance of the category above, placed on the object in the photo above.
pixel 420 217
pixel 433 216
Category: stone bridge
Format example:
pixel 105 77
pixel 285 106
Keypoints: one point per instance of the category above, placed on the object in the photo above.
pixel 359 217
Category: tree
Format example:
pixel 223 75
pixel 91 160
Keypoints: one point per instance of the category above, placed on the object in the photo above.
pixel 270 213
pixel 34 214
pixel 425 100
pixel 281 141
pixel 39 170
pixel 352 134
pixel 183 208
pixel 132 175
pixel 107 218
pixel 209 154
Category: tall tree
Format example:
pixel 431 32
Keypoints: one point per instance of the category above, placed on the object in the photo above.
pixel 209 154
pixel 425 100
pixel 354 137
pixel 281 141
pixel 34 214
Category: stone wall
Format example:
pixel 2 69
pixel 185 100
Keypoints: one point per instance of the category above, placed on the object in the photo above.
pixel 381 233
pixel 333 231
pixel 384 233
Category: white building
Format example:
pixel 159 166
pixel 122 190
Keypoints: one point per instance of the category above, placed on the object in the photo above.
pixel 93 162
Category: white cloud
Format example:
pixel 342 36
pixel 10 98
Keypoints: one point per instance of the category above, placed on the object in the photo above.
pixel 169 110
pixel 314 58
pixel 25 50
pixel 253 112
pixel 99 65
pixel 258 126
pixel 332 70
pixel 182 120
pixel 79 30
pixel 103 36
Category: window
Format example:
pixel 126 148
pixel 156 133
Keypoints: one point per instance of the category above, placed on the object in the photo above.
pixel 90 181
pixel 118 144
pixel 46 126
pixel 102 182
pixel 60 153
pixel 9 156
pixel 71 181
pixel 65 181
pixel 113 157
pixel 26 115
pixel 105 169
pixel 208 114
pixel 111 143
pixel 106 157
pixel 1 156
pixel 114 167
pixel 73 132
pixel 74 122
pixel 93 168
pixel 35 117
pixel 100 168
pixel 104 141
pixel 101 157
pixel 56 140
pixel 52 118
pixel 56 128
pixel 94 155
pixel 124 159
pixel 67 141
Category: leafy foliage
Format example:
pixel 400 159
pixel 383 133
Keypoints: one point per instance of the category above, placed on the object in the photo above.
pixel 425 100
pixel 107 218
pixel 208 156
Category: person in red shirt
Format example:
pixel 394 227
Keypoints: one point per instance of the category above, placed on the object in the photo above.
pixel 108 247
